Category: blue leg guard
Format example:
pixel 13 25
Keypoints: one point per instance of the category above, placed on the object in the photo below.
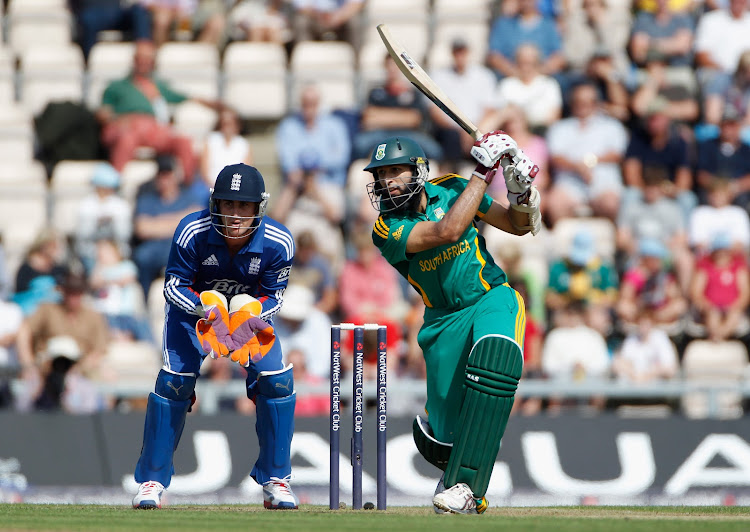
pixel 274 408
pixel 165 419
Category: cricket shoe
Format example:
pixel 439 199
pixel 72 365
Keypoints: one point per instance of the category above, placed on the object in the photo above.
pixel 148 496
pixel 457 499
pixel 278 495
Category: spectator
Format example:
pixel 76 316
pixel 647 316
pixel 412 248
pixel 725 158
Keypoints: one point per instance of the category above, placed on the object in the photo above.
pixel 720 38
pixel 573 352
pixel 321 20
pixel 225 145
pixel 512 120
pixel 583 277
pixel 736 97
pixel 719 216
pixel 313 138
pixel 666 31
pixel 259 21
pixel 309 403
pixel 117 294
pixel 656 216
pixel 303 328
pixel 93 16
pixel 720 291
pixel 674 97
pixel 70 317
pixel 647 354
pixel 649 283
pixel 610 83
pixel 103 214
pixel 511 259
pixel 659 147
pixel 369 292
pixel 469 85
pixel 586 150
pixel 159 206
pixel 528 25
pixel 204 20
pixel 134 113
pixel 725 157
pixel 40 271
pixel 598 29
pixel 537 94
pixel 312 270
pixel 394 109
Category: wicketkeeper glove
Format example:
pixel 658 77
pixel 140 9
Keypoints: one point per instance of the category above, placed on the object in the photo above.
pixel 251 336
pixel 213 329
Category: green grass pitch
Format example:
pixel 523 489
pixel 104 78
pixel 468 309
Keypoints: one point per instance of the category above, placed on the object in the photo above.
pixel 396 519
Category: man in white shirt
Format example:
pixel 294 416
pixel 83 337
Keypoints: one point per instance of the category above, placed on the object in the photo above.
pixel 471 86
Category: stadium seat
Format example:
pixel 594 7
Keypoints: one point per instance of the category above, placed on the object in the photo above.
pixel 24 32
pixel 107 61
pixel 43 58
pixel 24 208
pixel 330 65
pixel 7 75
pixel 257 98
pixel 413 34
pixel 370 67
pixel 133 175
pixel 51 72
pixel 252 58
pixel 462 10
pixel 132 362
pixel 714 365
pixel 194 120
pixel 190 67
pixel 255 80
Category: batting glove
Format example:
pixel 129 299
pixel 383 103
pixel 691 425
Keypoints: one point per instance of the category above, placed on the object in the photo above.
pixel 213 329
pixel 519 172
pixel 492 147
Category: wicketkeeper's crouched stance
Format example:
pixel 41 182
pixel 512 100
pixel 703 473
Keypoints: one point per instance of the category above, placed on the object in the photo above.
pixel 227 272
pixel 474 322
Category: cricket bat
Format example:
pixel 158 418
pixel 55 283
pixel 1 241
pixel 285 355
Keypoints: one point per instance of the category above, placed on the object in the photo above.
pixel 424 83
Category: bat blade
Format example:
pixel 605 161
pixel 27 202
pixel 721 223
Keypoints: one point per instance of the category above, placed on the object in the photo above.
pixel 424 83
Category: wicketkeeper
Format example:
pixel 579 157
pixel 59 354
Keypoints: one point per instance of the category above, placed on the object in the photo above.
pixel 226 275
pixel 474 322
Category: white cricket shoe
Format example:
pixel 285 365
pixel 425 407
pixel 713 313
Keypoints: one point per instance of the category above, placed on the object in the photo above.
pixel 148 496
pixel 278 495
pixel 458 499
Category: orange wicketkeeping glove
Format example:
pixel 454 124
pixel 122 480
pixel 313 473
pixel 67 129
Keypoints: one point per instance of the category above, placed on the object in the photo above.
pixel 213 329
pixel 252 337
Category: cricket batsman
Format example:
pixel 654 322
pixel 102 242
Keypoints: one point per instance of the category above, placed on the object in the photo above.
pixel 225 279
pixel 474 321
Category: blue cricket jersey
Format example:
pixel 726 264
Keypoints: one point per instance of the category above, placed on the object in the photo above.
pixel 199 260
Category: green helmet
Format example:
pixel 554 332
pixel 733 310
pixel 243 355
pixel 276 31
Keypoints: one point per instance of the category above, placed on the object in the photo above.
pixel 397 150
pixel 402 151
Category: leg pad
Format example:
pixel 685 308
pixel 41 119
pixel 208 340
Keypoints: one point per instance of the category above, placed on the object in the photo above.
pixel 434 451
pixel 492 373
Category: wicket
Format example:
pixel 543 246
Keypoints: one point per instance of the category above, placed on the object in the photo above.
pixel 358 407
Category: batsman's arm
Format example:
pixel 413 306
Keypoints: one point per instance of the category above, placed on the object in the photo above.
pixel 500 217
pixel 427 235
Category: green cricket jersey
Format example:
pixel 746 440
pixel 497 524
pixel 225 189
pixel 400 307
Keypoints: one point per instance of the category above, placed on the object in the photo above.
pixel 448 277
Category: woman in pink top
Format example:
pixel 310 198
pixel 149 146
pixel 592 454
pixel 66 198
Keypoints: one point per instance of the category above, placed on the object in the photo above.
pixel 719 290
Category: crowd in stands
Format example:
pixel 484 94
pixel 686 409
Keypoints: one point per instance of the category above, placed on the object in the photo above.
pixel 637 113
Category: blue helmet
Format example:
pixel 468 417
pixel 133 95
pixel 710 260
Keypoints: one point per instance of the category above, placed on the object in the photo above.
pixel 239 182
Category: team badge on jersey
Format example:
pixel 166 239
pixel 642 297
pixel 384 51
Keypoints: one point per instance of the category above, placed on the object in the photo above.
pixel 439 213
pixel 380 153
pixel 254 266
